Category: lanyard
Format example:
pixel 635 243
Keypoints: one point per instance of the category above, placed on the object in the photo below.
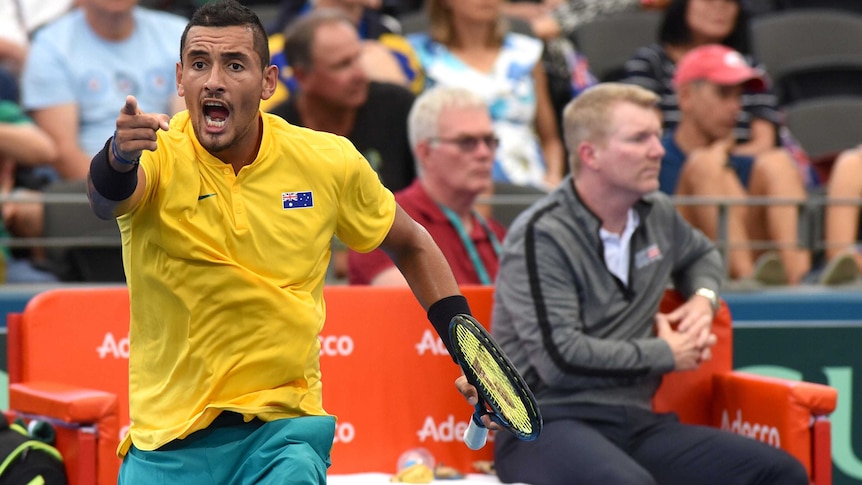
pixel 481 272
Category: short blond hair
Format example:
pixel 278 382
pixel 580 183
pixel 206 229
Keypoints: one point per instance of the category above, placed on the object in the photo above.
pixel 587 117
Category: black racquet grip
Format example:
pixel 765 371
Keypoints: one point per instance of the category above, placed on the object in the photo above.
pixel 441 312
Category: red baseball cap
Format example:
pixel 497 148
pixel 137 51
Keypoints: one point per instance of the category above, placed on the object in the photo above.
pixel 718 64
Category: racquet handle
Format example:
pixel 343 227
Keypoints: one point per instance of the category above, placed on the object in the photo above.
pixel 476 433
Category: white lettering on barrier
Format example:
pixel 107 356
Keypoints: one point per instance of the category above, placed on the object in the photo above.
pixel 431 343
pixel 336 346
pixel 447 431
pixel 114 348
pixel 344 432
pixel 760 432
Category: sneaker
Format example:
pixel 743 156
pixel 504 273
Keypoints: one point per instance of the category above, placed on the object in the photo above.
pixel 741 285
pixel 841 270
pixel 769 270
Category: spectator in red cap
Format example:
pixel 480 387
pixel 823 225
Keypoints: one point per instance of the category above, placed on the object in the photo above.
pixel 700 161
pixel 688 24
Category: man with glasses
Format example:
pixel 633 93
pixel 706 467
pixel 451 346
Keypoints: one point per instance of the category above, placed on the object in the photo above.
pixel 452 137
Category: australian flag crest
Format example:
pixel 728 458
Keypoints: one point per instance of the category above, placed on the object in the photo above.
pixel 296 200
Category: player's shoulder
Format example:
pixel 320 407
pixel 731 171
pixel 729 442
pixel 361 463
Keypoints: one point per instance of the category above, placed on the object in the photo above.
pixel 291 137
pixel 176 138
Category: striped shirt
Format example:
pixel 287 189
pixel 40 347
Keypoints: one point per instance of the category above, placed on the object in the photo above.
pixel 653 69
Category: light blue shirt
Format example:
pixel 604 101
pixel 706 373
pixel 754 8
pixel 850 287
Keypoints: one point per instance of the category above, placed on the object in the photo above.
pixel 618 247
pixel 69 63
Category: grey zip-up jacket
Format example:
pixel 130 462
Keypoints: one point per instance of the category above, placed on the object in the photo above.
pixel 574 330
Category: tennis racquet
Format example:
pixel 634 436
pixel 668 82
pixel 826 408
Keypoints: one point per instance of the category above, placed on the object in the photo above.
pixel 499 384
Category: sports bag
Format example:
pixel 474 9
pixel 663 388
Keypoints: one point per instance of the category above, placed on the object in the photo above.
pixel 27 460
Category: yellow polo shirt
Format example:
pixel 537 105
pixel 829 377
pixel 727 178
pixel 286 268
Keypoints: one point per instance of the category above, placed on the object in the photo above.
pixel 226 273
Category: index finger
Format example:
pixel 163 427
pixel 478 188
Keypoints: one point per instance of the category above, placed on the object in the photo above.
pixel 131 106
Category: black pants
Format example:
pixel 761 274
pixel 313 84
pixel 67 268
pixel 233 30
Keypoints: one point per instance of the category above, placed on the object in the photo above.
pixel 611 445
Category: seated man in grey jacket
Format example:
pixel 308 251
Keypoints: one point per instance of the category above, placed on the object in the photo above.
pixel 576 309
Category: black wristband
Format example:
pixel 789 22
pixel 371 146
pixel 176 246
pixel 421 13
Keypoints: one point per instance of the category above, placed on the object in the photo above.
pixel 110 183
pixel 441 312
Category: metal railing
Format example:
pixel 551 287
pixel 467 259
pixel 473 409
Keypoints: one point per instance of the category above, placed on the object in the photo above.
pixel 811 215
pixel 57 241
pixel 810 210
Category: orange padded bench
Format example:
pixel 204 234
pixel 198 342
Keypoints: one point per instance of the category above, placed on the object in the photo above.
pixel 386 376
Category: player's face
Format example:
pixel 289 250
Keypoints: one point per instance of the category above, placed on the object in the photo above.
pixel 221 79
pixel 460 159
pixel 630 158
pixel 336 77
pixel 711 21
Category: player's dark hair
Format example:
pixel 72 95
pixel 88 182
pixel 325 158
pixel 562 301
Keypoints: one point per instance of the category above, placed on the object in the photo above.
pixel 674 29
pixel 230 13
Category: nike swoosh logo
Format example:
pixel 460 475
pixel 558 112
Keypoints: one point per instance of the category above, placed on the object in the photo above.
pixel 205 196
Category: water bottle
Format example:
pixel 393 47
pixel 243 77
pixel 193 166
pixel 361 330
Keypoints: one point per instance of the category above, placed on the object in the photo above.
pixel 416 456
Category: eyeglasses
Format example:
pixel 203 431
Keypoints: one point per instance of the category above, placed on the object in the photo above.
pixel 468 144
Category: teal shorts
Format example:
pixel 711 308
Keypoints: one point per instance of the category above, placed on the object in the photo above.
pixel 229 451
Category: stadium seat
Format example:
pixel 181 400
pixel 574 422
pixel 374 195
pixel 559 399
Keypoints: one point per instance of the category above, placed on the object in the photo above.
pixel 68 363
pixel 843 5
pixel 810 52
pixel 75 224
pixel 826 126
pixel 509 200
pixel 792 415
pixel 759 7
pixel 608 42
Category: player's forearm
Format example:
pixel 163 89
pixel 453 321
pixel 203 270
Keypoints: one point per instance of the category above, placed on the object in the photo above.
pixel 419 259
pixel 428 273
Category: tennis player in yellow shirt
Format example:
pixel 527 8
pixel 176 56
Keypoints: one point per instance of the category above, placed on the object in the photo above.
pixel 226 215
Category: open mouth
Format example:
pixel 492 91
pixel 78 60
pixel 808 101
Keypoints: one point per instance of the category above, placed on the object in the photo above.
pixel 216 114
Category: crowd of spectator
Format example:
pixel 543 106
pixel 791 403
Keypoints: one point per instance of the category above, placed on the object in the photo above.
pixel 348 67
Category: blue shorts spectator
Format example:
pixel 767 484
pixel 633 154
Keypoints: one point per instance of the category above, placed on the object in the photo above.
pixel 674 158
pixel 8 86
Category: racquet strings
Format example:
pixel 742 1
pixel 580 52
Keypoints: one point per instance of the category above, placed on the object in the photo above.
pixel 494 381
